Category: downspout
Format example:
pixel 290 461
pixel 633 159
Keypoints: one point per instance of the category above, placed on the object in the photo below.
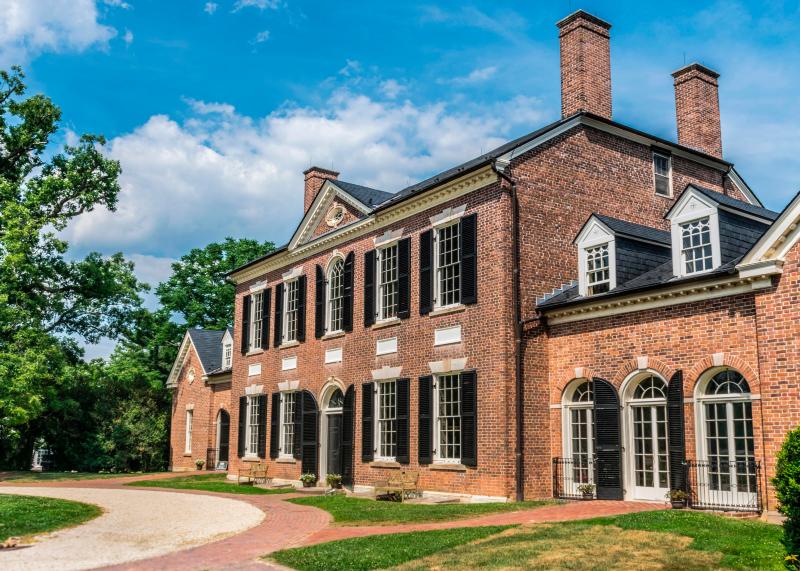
pixel 515 294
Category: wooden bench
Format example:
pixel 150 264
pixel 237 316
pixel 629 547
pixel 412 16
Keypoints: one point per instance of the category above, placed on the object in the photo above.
pixel 405 483
pixel 257 474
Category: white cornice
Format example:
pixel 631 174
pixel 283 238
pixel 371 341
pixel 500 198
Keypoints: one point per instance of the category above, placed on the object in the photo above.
pixel 779 239
pixel 317 210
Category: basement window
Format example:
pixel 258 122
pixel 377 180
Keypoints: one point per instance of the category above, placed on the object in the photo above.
pixel 662 173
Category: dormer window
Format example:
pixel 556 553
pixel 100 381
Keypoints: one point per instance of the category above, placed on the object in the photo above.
pixel 598 270
pixel 695 222
pixel 227 356
pixel 696 251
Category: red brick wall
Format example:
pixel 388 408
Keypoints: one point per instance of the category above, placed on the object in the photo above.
pixel 350 216
pixel 697 109
pixel 585 65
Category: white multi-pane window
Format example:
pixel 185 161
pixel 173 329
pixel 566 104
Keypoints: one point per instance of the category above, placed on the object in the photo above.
pixel 291 310
pixel 256 319
pixel 448 265
pixel 228 356
pixel 387 420
pixel 598 274
pixel 188 446
pixel 579 445
pixel 251 430
pixel 336 296
pixel 662 172
pixel 448 418
pixel 388 286
pixel 288 416
pixel 696 246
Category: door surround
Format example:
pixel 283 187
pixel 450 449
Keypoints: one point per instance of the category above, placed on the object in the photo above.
pixel 329 390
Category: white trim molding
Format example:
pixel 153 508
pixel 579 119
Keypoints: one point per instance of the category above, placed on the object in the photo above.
pixel 252 390
pixel 386 372
pixel 285 386
pixel 594 234
pixel 388 237
pixel 448 215
pixel 448 366
pixel 693 206
pixel 292 274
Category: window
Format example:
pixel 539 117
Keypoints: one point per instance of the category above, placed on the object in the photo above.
pixel 256 320
pixel 448 418
pixel 387 420
pixel 288 416
pixel 227 361
pixel 662 171
pixel 189 415
pixel 579 437
pixel 387 282
pixel 251 440
pixel 336 296
pixel 696 246
pixel 291 311
pixel 448 265
pixel 598 274
pixel 648 434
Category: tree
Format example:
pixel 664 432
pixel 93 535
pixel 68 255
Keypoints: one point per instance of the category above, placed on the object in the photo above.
pixel 787 490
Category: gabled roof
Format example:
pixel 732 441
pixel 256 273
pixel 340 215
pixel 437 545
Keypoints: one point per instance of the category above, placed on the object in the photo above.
pixel 364 194
pixel 635 231
pixel 208 345
pixel 727 202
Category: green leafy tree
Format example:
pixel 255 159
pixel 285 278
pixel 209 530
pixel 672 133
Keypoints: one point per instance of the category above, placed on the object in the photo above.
pixel 787 490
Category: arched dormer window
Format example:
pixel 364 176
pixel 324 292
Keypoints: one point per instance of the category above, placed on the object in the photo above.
pixel 336 296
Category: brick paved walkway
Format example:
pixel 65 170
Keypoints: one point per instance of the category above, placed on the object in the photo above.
pixel 290 525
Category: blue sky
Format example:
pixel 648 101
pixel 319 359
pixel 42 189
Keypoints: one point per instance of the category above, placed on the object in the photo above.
pixel 215 108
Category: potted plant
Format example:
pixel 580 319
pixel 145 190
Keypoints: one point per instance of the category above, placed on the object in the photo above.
pixel 308 479
pixel 334 481
pixel 587 491
pixel 678 499
pixel 199 463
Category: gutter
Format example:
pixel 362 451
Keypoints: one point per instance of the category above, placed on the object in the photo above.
pixel 518 365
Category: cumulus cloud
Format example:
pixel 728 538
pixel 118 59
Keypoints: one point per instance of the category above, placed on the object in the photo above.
pixel 30 27
pixel 391 88
pixel 261 37
pixel 128 37
pixel 477 75
pixel 210 7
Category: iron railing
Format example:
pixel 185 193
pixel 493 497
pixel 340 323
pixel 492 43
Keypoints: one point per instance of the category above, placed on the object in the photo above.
pixel 724 485
pixel 569 474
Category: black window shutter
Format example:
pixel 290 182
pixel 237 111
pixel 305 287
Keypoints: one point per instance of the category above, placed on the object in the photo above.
pixel 676 430
pixel 275 427
pixel 298 427
pixel 278 336
pixel 348 434
pixel 469 259
pixel 245 324
pixel 265 315
pixel 425 438
pixel 242 425
pixel 404 278
pixel 310 434
pixel 301 308
pixel 319 303
pixel 425 272
pixel 262 426
pixel 367 422
pixel 369 288
pixel 402 415
pixel 347 302
pixel 469 418
pixel 608 442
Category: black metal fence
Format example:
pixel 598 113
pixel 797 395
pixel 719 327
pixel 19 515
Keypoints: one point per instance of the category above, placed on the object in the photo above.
pixel 569 474
pixel 724 485
pixel 211 458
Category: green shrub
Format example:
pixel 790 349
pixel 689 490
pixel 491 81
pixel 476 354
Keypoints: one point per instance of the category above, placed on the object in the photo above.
pixel 787 489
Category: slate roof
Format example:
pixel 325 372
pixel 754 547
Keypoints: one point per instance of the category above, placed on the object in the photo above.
pixel 208 345
pixel 635 231
pixel 736 204
pixel 364 194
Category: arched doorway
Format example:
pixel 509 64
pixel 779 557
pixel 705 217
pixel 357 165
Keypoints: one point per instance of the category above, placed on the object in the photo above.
pixel 578 435
pixel 332 432
pixel 223 439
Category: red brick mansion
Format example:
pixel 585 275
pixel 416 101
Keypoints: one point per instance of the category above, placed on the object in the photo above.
pixel 588 303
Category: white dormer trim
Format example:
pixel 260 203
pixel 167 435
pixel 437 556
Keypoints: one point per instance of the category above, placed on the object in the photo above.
pixel 595 233
pixel 227 339
pixel 316 212
pixel 691 206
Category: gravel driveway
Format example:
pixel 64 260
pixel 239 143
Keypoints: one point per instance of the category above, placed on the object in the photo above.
pixel 136 524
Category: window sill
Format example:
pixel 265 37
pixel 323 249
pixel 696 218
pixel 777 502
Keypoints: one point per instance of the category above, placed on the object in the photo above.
pixel 289 345
pixel 334 335
pixel 449 467
pixel 389 464
pixel 289 460
pixel 187 454
pixel 251 459
pixel 448 310
pixel 386 323
pixel 254 352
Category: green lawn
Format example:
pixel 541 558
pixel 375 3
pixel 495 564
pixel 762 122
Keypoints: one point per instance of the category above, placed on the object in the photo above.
pixel 378 552
pixel 27 477
pixel 27 515
pixel 673 540
pixel 360 511
pixel 207 483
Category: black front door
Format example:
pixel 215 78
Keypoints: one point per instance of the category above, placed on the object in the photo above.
pixel 334 444
pixel 224 436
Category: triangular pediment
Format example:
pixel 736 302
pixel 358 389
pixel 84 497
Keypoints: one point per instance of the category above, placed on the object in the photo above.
pixel 692 202
pixel 328 197
pixel 594 231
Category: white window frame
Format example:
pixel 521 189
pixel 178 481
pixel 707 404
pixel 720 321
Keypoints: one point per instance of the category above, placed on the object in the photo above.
pixel 567 406
pixel 693 206
pixel 252 428
pixel 283 424
pixel 380 252
pixel 437 288
pixel 256 304
pixel 329 300
pixel 188 434
pixel 294 282
pixel 227 355
pixel 595 234
pixel 379 420
pixel 589 253
pixel 669 173
pixel 437 457
pixel 682 254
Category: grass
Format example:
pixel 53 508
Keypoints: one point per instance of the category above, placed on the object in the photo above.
pixel 208 483
pixel 28 477
pixel 672 540
pixel 359 511
pixel 379 551
pixel 27 515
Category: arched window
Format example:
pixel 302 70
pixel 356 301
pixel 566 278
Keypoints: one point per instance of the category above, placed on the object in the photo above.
pixel 646 431
pixel 336 400
pixel 578 435
pixel 336 296
pixel 726 435
pixel 650 388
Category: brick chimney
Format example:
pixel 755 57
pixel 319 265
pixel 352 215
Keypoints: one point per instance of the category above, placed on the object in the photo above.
pixel 315 178
pixel 585 65
pixel 697 109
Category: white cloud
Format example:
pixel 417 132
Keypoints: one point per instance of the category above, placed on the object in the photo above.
pixel 351 68
pixel 128 37
pixel 207 108
pixel 260 4
pixel 117 4
pixel 391 88
pixel 261 37
pixel 210 7
pixel 30 27
pixel 477 75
